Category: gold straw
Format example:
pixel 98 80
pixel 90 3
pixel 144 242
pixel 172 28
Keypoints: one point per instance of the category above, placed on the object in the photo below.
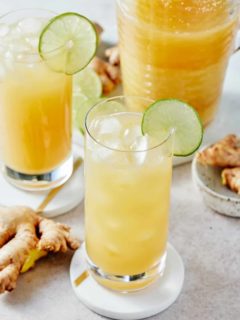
pixel 55 191
pixel 81 278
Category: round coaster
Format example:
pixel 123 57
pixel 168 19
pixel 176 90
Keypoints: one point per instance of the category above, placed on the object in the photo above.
pixel 137 305
pixel 70 195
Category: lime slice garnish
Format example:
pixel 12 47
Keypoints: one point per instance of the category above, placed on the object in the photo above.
pixel 164 115
pixel 87 82
pixel 87 89
pixel 68 43
pixel 81 106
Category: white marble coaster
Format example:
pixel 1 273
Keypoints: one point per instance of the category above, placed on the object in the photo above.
pixel 138 305
pixel 66 199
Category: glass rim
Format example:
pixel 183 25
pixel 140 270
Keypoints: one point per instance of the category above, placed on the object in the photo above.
pixel 29 54
pixel 120 97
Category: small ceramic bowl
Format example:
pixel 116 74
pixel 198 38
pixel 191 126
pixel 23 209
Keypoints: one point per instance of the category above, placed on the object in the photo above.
pixel 217 196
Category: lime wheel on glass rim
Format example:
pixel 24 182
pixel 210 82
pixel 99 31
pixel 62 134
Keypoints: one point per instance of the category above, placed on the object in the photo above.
pixel 68 43
pixel 164 115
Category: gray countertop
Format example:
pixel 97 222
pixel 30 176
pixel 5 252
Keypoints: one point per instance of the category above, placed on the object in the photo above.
pixel 208 243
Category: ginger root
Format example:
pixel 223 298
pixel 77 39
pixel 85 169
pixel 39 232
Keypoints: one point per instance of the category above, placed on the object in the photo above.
pixel 21 232
pixel 224 154
pixel 113 55
pixel 231 179
pixel 108 71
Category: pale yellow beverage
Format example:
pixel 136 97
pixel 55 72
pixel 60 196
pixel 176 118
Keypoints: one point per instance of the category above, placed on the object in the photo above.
pixel 35 125
pixel 177 49
pixel 35 106
pixel 128 178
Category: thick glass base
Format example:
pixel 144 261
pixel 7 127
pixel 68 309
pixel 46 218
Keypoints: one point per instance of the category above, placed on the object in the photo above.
pixel 127 283
pixel 40 182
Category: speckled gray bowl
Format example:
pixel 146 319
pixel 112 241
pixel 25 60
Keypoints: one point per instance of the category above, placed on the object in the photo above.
pixel 215 195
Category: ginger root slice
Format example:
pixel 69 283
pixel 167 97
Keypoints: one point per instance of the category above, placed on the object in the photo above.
pixel 224 154
pixel 21 232
pixel 231 178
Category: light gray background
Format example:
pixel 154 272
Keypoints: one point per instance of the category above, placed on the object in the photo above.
pixel 209 243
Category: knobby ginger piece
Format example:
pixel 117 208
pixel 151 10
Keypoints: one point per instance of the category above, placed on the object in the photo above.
pixel 108 71
pixel 99 66
pixel 21 232
pixel 110 75
pixel 55 237
pixel 107 83
pixel 113 55
pixel 224 154
pixel 17 238
pixel 231 178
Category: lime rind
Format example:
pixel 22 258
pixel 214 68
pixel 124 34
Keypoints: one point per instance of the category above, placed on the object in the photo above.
pixel 88 83
pixel 81 106
pixel 87 91
pixel 164 115
pixel 68 43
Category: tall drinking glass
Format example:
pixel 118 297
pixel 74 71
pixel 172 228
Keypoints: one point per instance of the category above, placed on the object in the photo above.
pixel 128 178
pixel 177 49
pixel 35 106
